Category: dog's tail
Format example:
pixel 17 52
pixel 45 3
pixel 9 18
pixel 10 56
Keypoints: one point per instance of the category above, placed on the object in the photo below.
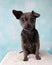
pixel 20 51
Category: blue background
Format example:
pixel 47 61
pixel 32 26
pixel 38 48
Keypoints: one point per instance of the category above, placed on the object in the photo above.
pixel 10 28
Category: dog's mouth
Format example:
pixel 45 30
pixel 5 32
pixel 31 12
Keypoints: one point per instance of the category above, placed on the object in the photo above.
pixel 29 28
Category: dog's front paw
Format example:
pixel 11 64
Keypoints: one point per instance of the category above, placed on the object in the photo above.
pixel 25 59
pixel 38 57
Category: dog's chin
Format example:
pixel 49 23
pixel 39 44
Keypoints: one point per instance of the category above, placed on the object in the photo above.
pixel 28 29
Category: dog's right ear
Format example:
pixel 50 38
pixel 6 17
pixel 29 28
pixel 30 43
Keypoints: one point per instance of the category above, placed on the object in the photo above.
pixel 17 14
pixel 35 14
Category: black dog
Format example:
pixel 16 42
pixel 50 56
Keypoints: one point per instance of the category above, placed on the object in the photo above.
pixel 30 36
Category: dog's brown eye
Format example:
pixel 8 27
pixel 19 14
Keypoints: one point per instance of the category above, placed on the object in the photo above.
pixel 32 19
pixel 26 19
pixel 22 19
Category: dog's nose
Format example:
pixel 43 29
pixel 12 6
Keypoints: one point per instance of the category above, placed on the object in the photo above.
pixel 28 26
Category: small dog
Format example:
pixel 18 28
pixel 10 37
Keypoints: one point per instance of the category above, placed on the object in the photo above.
pixel 29 34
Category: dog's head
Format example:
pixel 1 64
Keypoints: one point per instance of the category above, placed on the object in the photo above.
pixel 27 20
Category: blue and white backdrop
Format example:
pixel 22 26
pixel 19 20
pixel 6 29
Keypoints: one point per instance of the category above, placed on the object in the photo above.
pixel 10 29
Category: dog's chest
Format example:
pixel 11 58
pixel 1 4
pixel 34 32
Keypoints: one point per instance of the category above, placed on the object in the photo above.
pixel 31 37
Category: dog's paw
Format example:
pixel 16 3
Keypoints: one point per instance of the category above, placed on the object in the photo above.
pixel 38 57
pixel 25 59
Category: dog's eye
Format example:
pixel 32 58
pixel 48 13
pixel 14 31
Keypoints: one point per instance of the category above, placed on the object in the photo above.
pixel 22 19
pixel 32 19
pixel 26 19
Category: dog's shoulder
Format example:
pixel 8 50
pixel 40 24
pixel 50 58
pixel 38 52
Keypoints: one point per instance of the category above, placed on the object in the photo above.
pixel 36 31
pixel 23 32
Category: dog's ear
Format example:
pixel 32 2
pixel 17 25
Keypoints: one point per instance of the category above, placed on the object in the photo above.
pixel 35 14
pixel 17 14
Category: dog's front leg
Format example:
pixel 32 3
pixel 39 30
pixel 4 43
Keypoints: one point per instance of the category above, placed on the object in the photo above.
pixel 25 55
pixel 37 51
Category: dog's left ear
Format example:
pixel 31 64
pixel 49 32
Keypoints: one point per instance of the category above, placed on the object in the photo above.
pixel 35 14
pixel 17 14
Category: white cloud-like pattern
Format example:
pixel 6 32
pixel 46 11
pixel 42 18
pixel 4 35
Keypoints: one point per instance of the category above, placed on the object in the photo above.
pixel 2 39
pixel 30 5
pixel 12 32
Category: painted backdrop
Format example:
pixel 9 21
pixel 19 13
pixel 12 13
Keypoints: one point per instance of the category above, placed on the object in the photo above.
pixel 10 29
